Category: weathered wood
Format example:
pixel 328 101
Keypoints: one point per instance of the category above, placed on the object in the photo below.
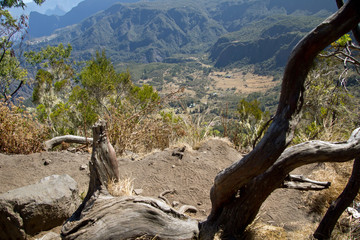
pixel 50 144
pixel 300 182
pixel 162 195
pixel 129 218
pixel 102 216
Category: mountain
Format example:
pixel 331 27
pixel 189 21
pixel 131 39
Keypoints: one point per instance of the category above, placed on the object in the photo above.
pixel 49 7
pixel 268 41
pixel 43 24
pixel 58 10
pixel 142 32
pixel 249 31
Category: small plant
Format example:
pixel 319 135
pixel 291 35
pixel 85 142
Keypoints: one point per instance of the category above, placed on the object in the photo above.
pixel 245 131
pixel 120 188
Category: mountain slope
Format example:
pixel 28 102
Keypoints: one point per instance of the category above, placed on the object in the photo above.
pixel 142 32
pixel 43 25
pixel 251 31
pixel 268 41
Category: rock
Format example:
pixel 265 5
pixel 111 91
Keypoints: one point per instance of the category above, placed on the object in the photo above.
pixel 47 162
pixel 72 150
pixel 138 191
pixel 179 152
pixel 83 167
pixel 39 207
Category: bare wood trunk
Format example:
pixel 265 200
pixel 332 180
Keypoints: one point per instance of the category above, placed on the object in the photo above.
pixel 50 144
pixel 102 216
pixel 332 215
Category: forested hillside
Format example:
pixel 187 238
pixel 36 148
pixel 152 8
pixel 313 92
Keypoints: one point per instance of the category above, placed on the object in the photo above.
pixel 146 32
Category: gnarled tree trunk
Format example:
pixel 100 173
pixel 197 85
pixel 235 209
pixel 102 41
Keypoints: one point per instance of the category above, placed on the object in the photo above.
pixel 239 190
pixel 102 216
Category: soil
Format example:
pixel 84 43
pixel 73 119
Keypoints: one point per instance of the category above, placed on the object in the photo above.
pixel 190 172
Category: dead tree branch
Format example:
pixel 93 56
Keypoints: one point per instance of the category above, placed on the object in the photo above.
pixel 50 144
pixel 300 182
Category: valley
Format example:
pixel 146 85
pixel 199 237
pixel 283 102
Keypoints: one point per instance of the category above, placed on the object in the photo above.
pixel 218 51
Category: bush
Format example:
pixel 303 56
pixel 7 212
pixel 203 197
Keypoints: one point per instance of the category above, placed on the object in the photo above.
pixel 20 133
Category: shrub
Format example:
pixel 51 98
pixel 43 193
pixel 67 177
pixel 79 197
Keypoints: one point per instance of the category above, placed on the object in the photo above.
pixel 20 133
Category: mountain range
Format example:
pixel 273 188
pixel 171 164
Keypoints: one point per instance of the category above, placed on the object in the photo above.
pixel 249 31
pixel 49 7
pixel 43 24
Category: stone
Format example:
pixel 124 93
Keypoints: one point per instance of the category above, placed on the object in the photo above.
pixel 47 162
pixel 83 167
pixel 72 150
pixel 39 207
pixel 138 191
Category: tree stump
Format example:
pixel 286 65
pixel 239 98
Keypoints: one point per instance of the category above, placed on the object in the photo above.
pixel 102 216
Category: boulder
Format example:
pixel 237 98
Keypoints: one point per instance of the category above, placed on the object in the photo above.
pixel 31 209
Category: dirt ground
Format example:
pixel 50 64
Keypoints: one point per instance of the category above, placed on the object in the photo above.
pixel 190 173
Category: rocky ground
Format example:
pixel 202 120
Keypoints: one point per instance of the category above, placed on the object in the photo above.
pixel 187 171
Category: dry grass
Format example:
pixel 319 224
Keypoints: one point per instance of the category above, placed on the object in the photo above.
pixel 259 231
pixel 244 82
pixel 224 139
pixel 123 187
pixel 305 232
pixel 336 173
pixel 20 132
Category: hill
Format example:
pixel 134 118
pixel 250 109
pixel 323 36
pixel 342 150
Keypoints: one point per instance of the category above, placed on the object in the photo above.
pixel 268 41
pixel 157 31
pixel 43 24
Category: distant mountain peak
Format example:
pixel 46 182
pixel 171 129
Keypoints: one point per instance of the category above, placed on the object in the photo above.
pixel 58 10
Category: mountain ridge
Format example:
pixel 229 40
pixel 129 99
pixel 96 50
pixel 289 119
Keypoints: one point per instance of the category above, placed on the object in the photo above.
pixel 42 25
pixel 157 30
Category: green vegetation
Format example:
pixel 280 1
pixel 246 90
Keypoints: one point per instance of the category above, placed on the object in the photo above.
pixel 12 75
pixel 331 106
pixel 163 31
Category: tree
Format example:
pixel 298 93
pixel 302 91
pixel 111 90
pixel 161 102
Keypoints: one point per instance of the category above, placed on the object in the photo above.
pixel 239 190
pixel 16 3
pixel 103 84
pixel 12 75
pixel 53 81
